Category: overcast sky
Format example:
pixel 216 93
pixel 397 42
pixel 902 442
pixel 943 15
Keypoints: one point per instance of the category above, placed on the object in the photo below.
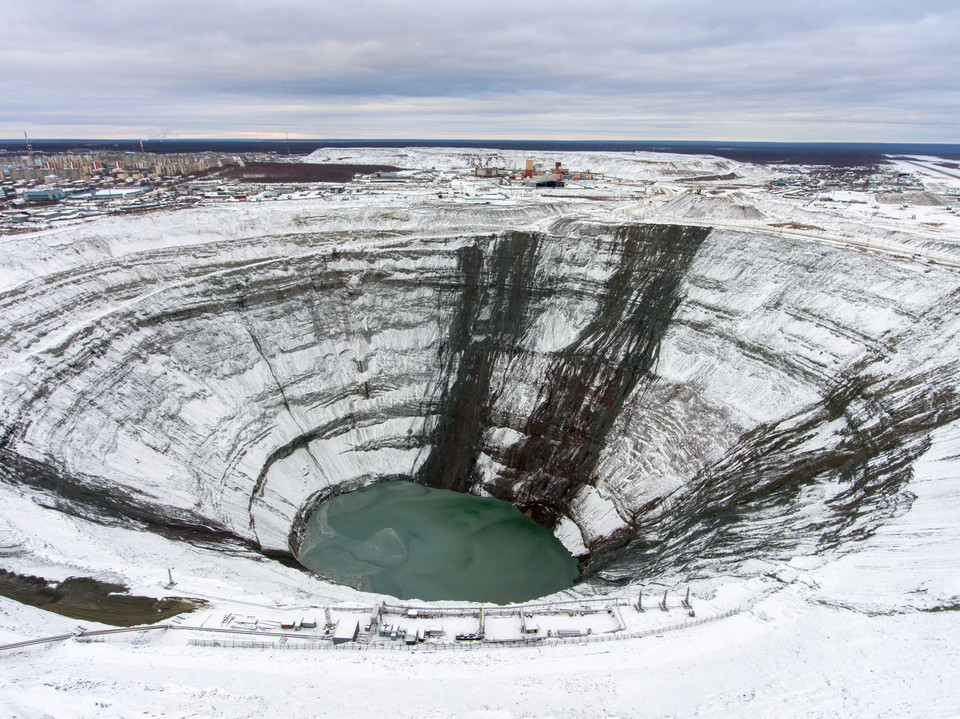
pixel 800 70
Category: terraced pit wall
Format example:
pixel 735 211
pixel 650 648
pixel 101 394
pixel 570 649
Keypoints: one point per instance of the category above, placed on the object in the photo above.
pixel 666 398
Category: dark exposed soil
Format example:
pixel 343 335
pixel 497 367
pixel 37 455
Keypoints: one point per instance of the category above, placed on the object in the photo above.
pixel 710 178
pixel 92 600
pixel 301 172
pixel 796 226
pixel 944 608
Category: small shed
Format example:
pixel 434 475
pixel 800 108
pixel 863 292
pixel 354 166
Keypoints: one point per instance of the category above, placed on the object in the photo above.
pixel 347 631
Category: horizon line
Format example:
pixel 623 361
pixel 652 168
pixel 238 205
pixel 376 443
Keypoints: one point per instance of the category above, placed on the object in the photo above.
pixel 301 140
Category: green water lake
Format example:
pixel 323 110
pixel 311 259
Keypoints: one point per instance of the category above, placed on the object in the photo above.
pixel 414 542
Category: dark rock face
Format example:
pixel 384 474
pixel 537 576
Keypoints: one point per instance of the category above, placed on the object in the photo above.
pixel 666 398
pixel 585 385
pixel 492 301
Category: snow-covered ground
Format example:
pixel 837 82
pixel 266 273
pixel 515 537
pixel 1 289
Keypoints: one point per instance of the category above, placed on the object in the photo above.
pixel 867 629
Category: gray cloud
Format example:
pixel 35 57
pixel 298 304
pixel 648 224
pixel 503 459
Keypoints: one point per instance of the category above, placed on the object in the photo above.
pixel 684 69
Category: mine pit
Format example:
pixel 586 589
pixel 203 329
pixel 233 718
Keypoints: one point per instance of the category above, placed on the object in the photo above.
pixel 665 400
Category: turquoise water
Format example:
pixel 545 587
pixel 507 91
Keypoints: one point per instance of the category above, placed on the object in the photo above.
pixel 414 542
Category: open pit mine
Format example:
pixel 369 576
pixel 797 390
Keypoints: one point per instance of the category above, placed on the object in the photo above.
pixel 691 383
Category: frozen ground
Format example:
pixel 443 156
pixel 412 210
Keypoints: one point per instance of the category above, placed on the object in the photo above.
pixel 867 629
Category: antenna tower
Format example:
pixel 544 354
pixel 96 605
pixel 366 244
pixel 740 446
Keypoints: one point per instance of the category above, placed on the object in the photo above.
pixel 29 149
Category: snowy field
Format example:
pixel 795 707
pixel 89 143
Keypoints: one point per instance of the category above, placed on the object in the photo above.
pixel 870 629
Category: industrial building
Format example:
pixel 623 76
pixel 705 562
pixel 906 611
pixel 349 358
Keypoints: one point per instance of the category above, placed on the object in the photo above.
pixel 44 194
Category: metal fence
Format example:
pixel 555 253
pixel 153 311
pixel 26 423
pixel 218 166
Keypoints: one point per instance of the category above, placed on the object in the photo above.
pixel 490 611
pixel 460 646
pixel 302 642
